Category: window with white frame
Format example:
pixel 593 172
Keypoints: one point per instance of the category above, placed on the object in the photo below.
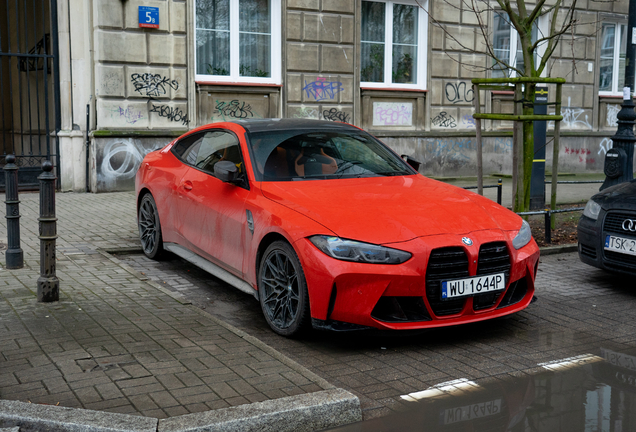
pixel 393 44
pixel 505 36
pixel 612 61
pixel 238 41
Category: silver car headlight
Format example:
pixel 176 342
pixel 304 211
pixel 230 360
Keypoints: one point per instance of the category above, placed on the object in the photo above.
pixel 350 250
pixel 523 237
pixel 592 209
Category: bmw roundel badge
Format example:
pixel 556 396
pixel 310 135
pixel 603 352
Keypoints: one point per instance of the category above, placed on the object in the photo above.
pixel 467 241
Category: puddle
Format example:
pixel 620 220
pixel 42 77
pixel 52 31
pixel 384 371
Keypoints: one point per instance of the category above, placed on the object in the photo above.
pixel 591 392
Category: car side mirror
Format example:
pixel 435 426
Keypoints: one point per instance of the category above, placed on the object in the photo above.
pixel 226 171
pixel 414 163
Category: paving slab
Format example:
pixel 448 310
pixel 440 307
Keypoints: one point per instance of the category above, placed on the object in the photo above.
pixel 118 343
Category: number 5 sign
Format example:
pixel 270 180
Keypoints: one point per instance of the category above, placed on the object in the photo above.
pixel 148 16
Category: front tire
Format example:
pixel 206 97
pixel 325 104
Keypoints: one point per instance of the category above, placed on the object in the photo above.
pixel 283 290
pixel 150 228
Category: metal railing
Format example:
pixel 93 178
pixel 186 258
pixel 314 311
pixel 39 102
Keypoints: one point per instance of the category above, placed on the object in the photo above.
pixel 499 187
pixel 548 219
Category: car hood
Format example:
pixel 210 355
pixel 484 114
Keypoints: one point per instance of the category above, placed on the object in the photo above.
pixel 385 210
pixel 620 196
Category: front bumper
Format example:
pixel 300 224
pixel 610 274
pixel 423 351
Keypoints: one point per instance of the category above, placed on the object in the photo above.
pixel 406 296
pixel 591 239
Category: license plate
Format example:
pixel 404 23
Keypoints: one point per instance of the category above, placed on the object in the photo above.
pixel 473 285
pixel 620 244
pixel 471 412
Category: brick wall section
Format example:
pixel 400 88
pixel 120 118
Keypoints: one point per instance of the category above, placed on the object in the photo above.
pixel 134 65
pixel 320 59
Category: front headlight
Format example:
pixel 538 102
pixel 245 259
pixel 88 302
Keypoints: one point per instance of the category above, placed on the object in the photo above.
pixel 523 237
pixel 592 209
pixel 350 250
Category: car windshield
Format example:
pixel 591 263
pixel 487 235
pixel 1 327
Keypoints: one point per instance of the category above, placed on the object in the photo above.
pixel 298 155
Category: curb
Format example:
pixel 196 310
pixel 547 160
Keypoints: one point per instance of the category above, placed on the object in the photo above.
pixel 302 413
pixel 552 250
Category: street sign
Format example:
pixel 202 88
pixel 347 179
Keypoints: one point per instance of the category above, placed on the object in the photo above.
pixel 148 16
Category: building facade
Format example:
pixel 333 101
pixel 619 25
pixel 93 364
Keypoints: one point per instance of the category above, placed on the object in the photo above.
pixel 147 71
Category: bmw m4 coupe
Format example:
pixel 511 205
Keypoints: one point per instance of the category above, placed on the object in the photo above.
pixel 329 228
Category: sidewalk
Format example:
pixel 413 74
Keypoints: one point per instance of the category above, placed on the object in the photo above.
pixel 118 343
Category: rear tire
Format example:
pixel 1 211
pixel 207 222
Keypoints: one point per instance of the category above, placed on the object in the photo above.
pixel 150 228
pixel 282 290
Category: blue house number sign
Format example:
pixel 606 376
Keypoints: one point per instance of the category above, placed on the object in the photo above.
pixel 148 16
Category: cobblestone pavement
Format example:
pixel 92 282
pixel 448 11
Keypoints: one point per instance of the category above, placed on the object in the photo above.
pixel 579 309
pixel 115 341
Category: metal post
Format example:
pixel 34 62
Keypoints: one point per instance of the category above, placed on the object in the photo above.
pixel 499 191
pixel 48 283
pixel 14 256
pixel 555 153
pixel 619 165
pixel 480 163
pixel 548 227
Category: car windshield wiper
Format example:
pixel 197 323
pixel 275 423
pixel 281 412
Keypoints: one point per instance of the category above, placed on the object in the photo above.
pixel 345 166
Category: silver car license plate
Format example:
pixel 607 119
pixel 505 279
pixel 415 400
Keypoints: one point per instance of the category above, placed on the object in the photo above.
pixel 620 245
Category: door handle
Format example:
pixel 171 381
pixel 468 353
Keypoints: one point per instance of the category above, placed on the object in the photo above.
pixel 187 185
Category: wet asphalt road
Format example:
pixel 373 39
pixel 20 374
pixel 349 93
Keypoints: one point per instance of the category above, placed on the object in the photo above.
pixel 580 311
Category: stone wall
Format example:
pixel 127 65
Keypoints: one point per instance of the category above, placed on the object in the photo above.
pixel 320 80
pixel 140 73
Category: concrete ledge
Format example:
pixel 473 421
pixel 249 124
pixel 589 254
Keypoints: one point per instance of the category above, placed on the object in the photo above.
pixel 35 417
pixel 302 413
pixel 551 250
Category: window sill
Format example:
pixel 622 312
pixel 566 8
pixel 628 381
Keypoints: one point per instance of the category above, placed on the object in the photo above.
pixel 238 84
pixel 395 89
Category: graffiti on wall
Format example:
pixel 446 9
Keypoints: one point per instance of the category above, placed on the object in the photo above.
pixel 605 145
pixel 321 89
pixel 121 159
pixel 455 150
pixel 580 153
pixel 468 122
pixel 573 118
pixel 128 114
pixel 612 112
pixel 459 92
pixel 392 113
pixel 334 114
pixel 306 112
pixel 444 120
pixel 234 109
pixel 152 85
pixel 502 145
pixel 172 114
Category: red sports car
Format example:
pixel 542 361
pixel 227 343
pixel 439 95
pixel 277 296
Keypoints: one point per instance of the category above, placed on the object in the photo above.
pixel 327 227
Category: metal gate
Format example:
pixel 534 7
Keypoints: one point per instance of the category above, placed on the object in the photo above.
pixel 29 87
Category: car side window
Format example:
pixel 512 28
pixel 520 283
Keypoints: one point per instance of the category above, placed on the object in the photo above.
pixel 187 148
pixel 218 146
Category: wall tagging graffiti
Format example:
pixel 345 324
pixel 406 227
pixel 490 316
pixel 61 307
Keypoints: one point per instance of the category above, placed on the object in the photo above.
pixel 468 122
pixel 605 145
pixel 234 109
pixel 574 118
pixel 117 160
pixel 306 113
pixel 172 114
pixel 502 145
pixel 321 89
pixel 334 114
pixel 392 113
pixel 128 114
pixel 580 153
pixel 612 112
pixel 444 120
pixel 459 92
pixel 153 85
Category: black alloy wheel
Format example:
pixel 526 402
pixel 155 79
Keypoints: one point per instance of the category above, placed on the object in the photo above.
pixel 150 228
pixel 283 290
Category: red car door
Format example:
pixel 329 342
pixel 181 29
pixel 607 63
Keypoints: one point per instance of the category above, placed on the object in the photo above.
pixel 212 216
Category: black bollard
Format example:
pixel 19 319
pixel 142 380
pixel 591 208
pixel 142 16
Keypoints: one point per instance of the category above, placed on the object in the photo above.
pixel 48 283
pixel 14 256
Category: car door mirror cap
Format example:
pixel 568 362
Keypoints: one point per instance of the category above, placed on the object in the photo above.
pixel 226 171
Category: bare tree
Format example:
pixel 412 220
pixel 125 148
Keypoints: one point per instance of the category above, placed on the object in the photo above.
pixel 536 52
